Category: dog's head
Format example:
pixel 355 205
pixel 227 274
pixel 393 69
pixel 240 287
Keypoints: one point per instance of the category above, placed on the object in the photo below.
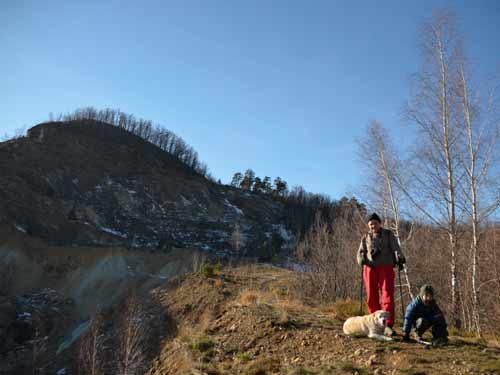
pixel 381 317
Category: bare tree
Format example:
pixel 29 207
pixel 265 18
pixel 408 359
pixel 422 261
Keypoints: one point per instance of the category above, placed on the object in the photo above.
pixel 39 347
pixel 91 346
pixel 327 251
pixel 134 332
pixel 237 240
pixel 433 110
pixel 481 137
pixel 382 174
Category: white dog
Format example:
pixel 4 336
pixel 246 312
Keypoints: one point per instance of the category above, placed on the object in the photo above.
pixel 372 325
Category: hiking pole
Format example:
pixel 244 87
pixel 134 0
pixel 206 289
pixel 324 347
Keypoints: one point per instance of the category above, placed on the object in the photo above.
pixel 400 266
pixel 361 293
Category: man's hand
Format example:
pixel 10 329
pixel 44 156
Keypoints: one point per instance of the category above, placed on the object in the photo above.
pixel 400 261
pixel 364 257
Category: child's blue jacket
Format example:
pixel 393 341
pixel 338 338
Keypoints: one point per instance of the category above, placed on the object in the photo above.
pixel 418 309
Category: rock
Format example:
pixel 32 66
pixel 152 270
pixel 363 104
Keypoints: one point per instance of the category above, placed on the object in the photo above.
pixel 358 352
pixel 371 360
pixel 7 311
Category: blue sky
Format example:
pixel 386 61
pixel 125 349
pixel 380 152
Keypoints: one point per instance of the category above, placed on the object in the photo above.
pixel 282 87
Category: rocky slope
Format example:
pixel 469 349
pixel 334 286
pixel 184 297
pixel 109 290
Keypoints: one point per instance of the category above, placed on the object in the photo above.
pixel 92 184
pixel 88 212
pixel 248 321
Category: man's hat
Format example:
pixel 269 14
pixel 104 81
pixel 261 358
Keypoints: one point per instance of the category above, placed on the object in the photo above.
pixel 374 216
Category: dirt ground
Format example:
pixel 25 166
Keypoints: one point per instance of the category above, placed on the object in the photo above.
pixel 246 321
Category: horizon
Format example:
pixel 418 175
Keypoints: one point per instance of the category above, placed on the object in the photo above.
pixel 285 99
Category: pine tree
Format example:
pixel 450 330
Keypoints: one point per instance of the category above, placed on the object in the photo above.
pixel 257 185
pixel 248 180
pixel 236 181
pixel 266 185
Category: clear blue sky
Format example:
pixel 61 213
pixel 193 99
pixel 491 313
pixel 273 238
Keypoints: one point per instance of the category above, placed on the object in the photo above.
pixel 283 87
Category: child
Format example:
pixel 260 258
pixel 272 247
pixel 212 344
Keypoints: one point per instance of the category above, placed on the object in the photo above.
pixel 423 313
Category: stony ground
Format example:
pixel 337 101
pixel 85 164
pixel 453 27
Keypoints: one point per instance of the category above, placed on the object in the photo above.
pixel 246 321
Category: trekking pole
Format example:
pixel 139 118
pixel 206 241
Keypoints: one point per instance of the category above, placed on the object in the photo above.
pixel 401 291
pixel 361 293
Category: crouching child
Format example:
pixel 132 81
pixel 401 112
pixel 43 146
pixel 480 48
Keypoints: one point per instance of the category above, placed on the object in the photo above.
pixel 424 313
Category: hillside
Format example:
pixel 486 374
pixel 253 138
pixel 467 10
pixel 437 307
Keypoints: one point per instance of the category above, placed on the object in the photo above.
pixel 248 321
pixel 89 211
pixel 86 183
pixel 93 217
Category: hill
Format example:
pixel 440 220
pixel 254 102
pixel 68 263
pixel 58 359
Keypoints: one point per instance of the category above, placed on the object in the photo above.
pixel 247 320
pixel 89 211
pixel 87 183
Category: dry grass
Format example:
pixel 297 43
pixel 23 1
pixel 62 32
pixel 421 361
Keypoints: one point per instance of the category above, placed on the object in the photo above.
pixel 273 329
pixel 263 366
pixel 253 297
pixel 343 310
pixel 218 283
pixel 249 297
pixel 461 333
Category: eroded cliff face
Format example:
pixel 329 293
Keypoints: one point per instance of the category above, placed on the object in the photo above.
pixel 49 293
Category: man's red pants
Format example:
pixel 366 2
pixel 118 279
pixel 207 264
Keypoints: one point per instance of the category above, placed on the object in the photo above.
pixel 380 278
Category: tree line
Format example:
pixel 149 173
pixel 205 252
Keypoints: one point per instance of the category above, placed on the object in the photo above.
pixel 155 134
pixel 302 208
pixel 249 181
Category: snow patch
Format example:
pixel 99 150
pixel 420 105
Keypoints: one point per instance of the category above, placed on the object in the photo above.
pixel 20 228
pixel 113 232
pixel 185 202
pixel 24 316
pixel 283 232
pixel 236 209
pixel 206 247
pixel 158 276
pixel 81 329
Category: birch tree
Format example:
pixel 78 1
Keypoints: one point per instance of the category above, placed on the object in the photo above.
pixel 382 173
pixel 433 110
pixel 481 133
pixel 91 348
pixel 134 333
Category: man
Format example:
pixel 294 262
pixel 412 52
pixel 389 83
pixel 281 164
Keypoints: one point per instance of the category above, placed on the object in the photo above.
pixel 379 252
pixel 423 313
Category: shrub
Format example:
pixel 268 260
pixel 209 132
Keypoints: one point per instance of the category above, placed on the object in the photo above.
pixel 207 270
pixel 263 366
pixel 202 344
pixel 344 309
pixel 211 270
